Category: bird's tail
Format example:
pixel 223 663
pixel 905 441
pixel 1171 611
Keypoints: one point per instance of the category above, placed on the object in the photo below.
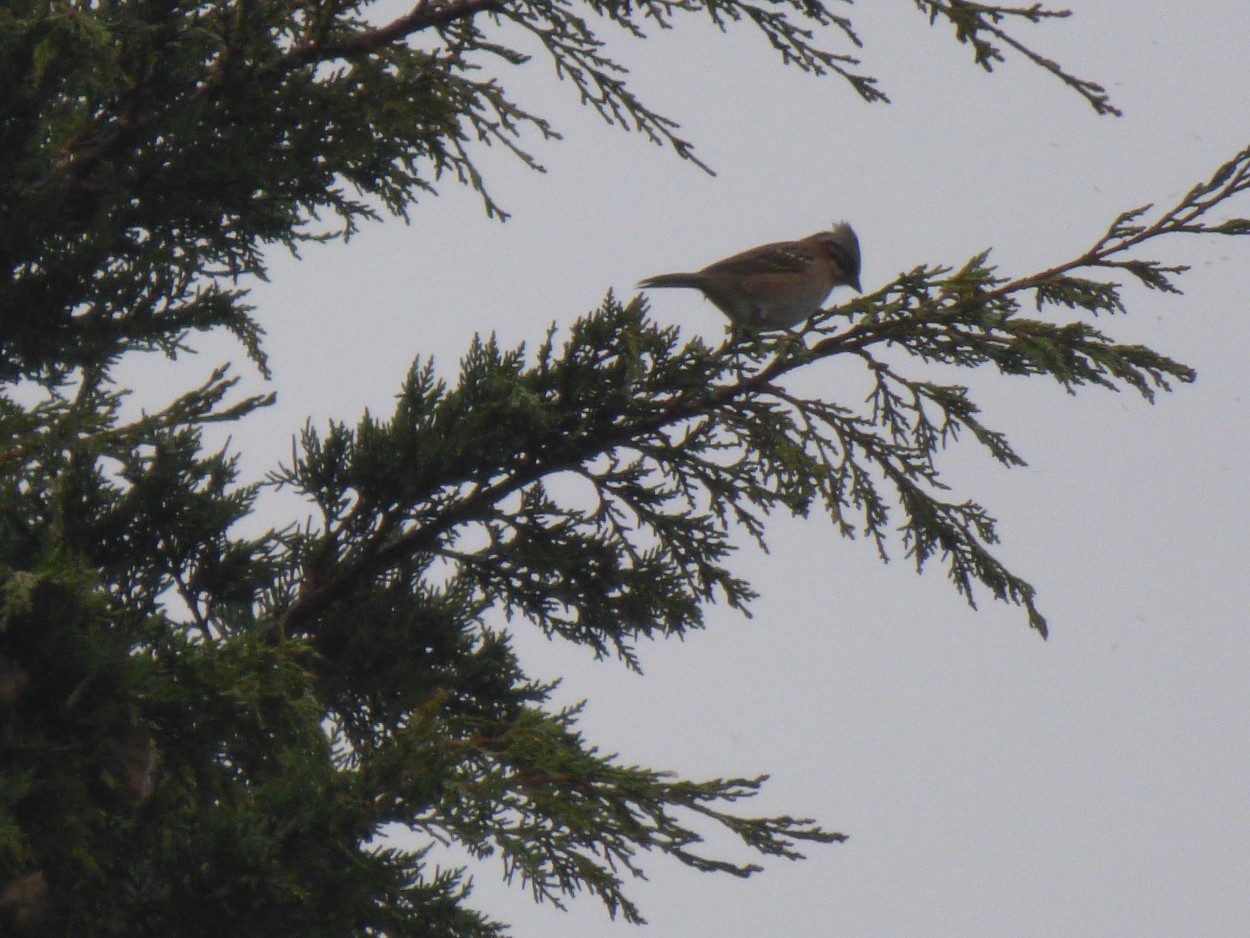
pixel 693 281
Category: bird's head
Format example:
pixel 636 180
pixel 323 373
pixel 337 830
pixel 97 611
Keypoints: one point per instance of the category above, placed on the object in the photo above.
pixel 843 247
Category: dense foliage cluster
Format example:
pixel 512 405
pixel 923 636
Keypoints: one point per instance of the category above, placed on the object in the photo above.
pixel 203 733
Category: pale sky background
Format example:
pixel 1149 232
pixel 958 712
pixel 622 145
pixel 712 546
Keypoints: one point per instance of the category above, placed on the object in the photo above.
pixel 993 784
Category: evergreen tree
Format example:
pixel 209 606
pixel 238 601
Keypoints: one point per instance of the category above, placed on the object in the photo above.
pixel 207 733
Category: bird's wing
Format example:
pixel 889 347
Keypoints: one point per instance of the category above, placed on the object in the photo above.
pixel 781 257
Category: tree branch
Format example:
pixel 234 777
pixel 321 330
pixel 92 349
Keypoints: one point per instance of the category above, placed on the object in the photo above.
pixel 971 19
pixel 1186 217
pixel 967 318
pixel 425 14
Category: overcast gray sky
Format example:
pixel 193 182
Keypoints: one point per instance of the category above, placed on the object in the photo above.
pixel 993 784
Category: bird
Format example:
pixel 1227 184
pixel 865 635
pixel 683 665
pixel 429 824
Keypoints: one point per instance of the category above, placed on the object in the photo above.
pixel 775 286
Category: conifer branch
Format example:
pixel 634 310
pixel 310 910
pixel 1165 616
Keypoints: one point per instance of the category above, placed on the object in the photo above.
pixel 425 14
pixel 972 19
pixel 537 771
pixel 967 318
pixel 1188 216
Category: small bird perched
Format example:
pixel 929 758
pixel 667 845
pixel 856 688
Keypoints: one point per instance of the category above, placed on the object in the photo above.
pixel 775 286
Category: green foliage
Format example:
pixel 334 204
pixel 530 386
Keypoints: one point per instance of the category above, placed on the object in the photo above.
pixel 203 732
pixel 980 25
